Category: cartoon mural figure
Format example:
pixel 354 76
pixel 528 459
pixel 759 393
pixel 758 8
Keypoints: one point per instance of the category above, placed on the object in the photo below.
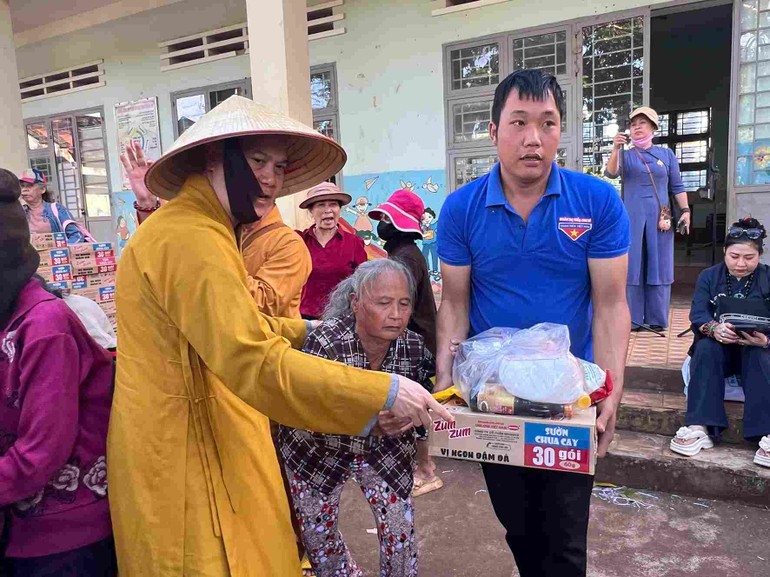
pixel 431 186
pixel 407 186
pixel 125 222
pixel 429 247
pixel 360 209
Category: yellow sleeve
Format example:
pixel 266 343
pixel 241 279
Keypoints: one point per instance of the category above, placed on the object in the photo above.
pixel 202 287
pixel 276 275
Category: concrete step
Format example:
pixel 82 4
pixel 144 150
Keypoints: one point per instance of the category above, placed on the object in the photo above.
pixel 644 461
pixel 646 411
pixel 653 379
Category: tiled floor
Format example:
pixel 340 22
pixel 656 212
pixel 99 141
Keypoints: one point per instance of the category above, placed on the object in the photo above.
pixel 646 349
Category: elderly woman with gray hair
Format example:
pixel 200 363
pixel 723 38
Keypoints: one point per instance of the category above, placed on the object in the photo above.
pixel 364 325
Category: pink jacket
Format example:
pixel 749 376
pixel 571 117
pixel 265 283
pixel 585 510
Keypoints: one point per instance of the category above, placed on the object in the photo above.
pixel 55 396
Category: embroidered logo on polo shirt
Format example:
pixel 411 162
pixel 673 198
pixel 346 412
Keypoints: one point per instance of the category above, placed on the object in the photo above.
pixel 574 228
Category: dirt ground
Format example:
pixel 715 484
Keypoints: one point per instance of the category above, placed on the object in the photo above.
pixel 632 533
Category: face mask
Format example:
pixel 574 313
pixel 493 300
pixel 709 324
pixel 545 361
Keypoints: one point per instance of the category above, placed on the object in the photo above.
pixel 242 186
pixel 642 143
pixel 386 230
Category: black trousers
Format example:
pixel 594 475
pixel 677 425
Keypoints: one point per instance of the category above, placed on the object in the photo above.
pixel 545 515
pixel 95 560
pixel 711 363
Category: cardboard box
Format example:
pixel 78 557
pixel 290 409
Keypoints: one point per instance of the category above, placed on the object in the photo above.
pixel 96 294
pixel 63 286
pixel 95 280
pixel 54 257
pixel 60 273
pixel 97 250
pixel 83 270
pixel 48 240
pixel 82 263
pixel 109 308
pixel 555 444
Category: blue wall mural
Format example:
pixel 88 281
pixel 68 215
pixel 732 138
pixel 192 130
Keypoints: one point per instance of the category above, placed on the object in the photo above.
pixel 369 190
pixel 124 218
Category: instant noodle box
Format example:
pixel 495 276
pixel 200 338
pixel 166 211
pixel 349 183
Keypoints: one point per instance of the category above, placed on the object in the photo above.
pixel 95 250
pixel 95 280
pixel 60 273
pixel 48 240
pixel 567 445
pixel 96 294
pixel 54 257
pixel 87 270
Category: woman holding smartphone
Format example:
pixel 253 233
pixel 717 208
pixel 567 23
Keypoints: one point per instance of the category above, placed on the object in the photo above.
pixel 721 350
pixel 649 174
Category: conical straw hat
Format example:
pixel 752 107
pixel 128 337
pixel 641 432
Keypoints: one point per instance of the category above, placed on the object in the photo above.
pixel 312 156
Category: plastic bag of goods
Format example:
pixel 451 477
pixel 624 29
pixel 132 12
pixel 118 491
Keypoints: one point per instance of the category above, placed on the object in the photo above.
pixel 525 372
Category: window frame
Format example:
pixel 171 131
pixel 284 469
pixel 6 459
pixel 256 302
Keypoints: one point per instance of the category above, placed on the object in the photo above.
pixel 331 112
pixel 80 213
pixel 244 83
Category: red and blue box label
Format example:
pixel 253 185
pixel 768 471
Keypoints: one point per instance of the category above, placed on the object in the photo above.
pixel 557 447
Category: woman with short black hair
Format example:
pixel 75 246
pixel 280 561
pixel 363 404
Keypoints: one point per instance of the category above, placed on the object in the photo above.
pixel 721 350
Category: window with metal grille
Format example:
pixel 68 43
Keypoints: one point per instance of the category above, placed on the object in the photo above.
pixel 323 99
pixel 440 7
pixel 688 134
pixel 189 105
pixel 70 150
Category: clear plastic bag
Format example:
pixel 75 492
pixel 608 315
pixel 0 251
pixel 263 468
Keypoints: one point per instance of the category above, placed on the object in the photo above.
pixel 533 364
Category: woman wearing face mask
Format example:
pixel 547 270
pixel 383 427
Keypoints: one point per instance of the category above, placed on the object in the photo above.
pixel 335 253
pixel 399 226
pixel 721 350
pixel 650 173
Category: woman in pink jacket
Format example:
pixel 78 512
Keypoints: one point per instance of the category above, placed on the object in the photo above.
pixel 55 395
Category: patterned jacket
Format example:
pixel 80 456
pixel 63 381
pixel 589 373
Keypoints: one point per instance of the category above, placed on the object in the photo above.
pixel 324 460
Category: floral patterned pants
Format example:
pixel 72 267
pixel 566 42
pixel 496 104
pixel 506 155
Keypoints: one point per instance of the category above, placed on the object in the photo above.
pixel 318 516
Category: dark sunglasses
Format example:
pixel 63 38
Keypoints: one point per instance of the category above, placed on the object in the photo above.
pixel 750 233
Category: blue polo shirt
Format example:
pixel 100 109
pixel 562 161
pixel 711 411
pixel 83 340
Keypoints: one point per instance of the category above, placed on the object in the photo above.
pixel 524 273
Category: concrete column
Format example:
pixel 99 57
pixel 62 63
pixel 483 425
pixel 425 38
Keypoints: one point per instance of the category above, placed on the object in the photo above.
pixel 13 146
pixel 280 70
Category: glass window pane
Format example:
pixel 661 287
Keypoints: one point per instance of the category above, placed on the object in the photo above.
pixel 695 151
pixel 189 109
pixel 748 78
pixel 471 120
pixel 613 84
pixel 217 97
pixel 470 168
pixel 561 157
pixel 746 109
pixel 98 205
pixel 748 46
pixel 693 179
pixel 326 127
pixel 321 89
pixel 475 66
pixel 547 52
pixel 748 14
pixel 695 122
pixel 37 136
pixel 745 140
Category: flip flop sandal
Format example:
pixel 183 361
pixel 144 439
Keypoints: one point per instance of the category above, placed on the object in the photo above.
pixel 421 487
pixel 764 446
pixel 702 441
pixel 307 569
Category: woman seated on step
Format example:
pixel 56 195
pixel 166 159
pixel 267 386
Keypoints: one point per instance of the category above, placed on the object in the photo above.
pixel 721 350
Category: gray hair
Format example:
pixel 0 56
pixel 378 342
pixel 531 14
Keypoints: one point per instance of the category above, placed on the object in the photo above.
pixel 339 305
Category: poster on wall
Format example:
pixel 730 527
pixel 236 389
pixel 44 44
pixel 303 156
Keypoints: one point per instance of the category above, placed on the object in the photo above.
pixel 137 121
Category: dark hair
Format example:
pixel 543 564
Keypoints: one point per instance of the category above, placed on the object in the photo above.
pixel 49 196
pixel 530 84
pixel 430 211
pixel 746 223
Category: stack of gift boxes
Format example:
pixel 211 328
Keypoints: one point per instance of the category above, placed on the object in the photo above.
pixel 83 269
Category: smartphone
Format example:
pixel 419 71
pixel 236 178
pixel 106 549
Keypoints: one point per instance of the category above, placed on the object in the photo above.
pixel 682 227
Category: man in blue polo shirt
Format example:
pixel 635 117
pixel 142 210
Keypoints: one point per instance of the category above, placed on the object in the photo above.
pixel 529 243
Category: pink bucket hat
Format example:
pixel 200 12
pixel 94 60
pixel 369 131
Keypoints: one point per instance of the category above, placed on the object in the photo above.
pixel 404 208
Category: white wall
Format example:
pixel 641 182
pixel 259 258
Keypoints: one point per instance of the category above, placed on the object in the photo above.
pixel 129 48
pixel 389 66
